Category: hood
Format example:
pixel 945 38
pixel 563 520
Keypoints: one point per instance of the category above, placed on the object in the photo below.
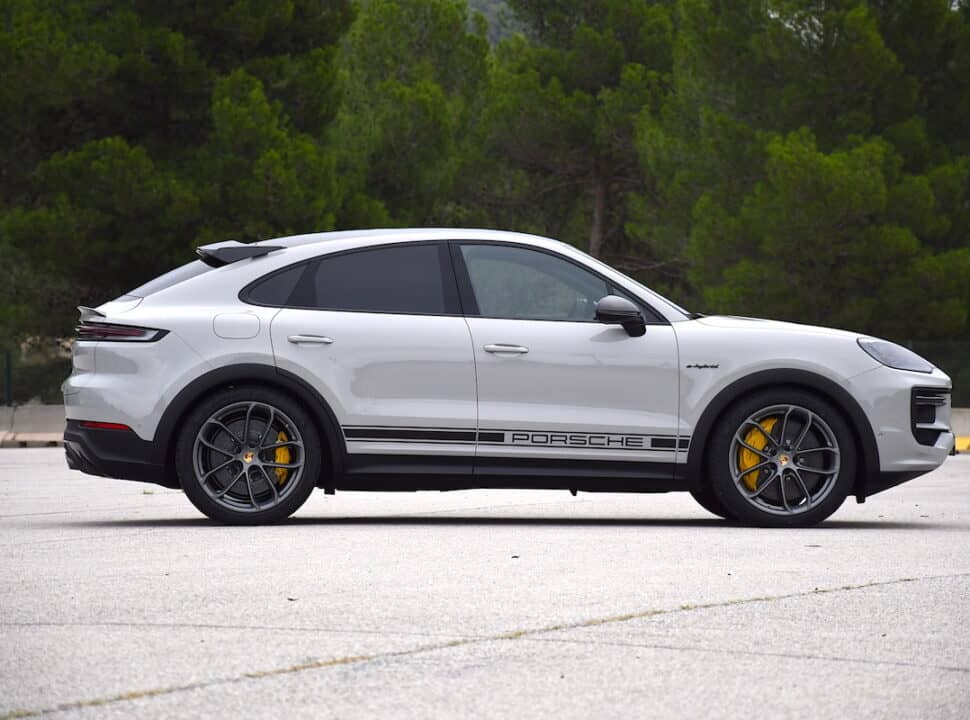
pixel 776 326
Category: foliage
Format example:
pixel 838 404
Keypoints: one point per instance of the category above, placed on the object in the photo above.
pixel 790 158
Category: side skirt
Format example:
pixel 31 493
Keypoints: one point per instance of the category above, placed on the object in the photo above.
pixel 410 472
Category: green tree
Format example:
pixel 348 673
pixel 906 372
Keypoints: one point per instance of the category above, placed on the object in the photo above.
pixel 801 168
pixel 132 131
pixel 414 70
pixel 557 126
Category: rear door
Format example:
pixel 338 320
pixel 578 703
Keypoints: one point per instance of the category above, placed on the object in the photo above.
pixel 553 383
pixel 379 333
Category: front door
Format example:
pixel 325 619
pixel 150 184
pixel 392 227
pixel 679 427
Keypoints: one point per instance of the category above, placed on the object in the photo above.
pixel 555 384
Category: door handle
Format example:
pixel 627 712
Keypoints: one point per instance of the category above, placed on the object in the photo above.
pixel 310 340
pixel 503 348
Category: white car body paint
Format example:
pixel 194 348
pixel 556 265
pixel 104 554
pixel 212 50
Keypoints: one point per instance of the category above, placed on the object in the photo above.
pixel 385 370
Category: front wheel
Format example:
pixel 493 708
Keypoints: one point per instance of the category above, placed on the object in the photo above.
pixel 248 455
pixel 782 458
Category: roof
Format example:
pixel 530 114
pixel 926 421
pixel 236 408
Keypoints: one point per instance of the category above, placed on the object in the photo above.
pixel 403 234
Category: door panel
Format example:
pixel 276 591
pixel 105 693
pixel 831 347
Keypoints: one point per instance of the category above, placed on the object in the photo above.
pixel 580 390
pixel 552 382
pixel 401 384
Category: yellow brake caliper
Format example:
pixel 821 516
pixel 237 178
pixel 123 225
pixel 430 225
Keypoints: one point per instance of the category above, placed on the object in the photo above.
pixel 283 458
pixel 746 459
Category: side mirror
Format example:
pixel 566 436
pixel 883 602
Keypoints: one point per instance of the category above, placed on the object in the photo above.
pixel 614 310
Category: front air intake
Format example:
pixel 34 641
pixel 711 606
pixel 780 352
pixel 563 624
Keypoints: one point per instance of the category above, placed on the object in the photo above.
pixel 924 417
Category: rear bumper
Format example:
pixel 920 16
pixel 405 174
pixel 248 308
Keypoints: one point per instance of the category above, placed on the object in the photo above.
pixel 115 454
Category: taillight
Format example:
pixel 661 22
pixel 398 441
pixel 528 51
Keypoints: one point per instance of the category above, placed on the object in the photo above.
pixel 118 333
pixel 97 425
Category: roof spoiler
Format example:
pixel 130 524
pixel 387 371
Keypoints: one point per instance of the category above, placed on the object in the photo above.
pixel 89 313
pixel 230 251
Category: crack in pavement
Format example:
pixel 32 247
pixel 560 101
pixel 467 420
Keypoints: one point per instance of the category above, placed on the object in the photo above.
pixel 458 642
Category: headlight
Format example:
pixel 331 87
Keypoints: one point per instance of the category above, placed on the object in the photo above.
pixel 894 356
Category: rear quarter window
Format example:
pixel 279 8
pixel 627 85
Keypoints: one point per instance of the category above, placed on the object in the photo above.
pixel 277 288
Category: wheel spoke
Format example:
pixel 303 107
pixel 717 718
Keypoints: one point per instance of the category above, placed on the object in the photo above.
pixel 249 487
pixel 768 436
pixel 756 468
pixel 249 412
pixel 784 496
pixel 804 488
pixel 216 469
pixel 269 425
pixel 796 446
pixel 819 449
pixel 272 485
pixel 819 471
pixel 752 448
pixel 225 429
pixel 765 486
pixel 285 466
pixel 228 487
pixel 286 443
pixel 203 441
pixel 784 426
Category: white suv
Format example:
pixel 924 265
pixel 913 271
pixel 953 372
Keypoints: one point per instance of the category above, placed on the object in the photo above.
pixel 449 359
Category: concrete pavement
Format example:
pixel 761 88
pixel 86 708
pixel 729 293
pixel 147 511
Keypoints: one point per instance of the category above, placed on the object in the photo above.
pixel 118 600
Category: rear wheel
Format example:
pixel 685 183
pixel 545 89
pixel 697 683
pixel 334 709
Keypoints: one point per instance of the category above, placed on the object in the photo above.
pixel 782 458
pixel 248 455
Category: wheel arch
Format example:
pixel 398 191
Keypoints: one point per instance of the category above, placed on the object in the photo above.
pixel 806 380
pixel 266 376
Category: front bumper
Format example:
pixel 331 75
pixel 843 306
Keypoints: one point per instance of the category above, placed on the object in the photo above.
pixel 115 454
pixel 887 398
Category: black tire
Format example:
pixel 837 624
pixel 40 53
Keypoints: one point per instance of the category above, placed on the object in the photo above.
pixel 267 488
pixel 706 498
pixel 820 471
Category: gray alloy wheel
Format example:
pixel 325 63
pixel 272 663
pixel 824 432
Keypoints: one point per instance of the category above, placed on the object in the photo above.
pixel 781 457
pixel 248 455
pixel 784 459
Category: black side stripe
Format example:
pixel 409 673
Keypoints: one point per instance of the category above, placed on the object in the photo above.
pixel 409 434
pixel 518 438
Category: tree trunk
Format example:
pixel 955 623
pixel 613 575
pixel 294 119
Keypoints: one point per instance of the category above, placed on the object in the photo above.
pixel 597 232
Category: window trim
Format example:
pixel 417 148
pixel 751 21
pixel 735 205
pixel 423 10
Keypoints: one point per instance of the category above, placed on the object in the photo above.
pixel 303 288
pixel 469 301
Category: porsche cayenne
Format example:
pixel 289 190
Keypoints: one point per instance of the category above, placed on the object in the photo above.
pixel 451 359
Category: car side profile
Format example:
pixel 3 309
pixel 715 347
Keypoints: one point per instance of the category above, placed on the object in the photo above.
pixel 443 359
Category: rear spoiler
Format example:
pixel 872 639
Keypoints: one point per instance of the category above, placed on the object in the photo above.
pixel 226 253
pixel 89 313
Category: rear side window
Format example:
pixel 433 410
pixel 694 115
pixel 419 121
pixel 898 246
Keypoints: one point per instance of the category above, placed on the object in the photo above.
pixel 172 277
pixel 276 289
pixel 392 279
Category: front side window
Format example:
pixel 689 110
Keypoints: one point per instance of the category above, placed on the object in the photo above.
pixel 392 279
pixel 518 283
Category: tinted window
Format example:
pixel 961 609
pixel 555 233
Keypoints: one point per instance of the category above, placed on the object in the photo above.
pixel 172 277
pixel 396 279
pixel 514 282
pixel 277 288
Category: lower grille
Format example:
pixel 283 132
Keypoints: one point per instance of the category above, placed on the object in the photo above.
pixel 924 416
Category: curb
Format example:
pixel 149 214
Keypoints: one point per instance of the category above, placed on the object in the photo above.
pixel 963 443
pixel 24 426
